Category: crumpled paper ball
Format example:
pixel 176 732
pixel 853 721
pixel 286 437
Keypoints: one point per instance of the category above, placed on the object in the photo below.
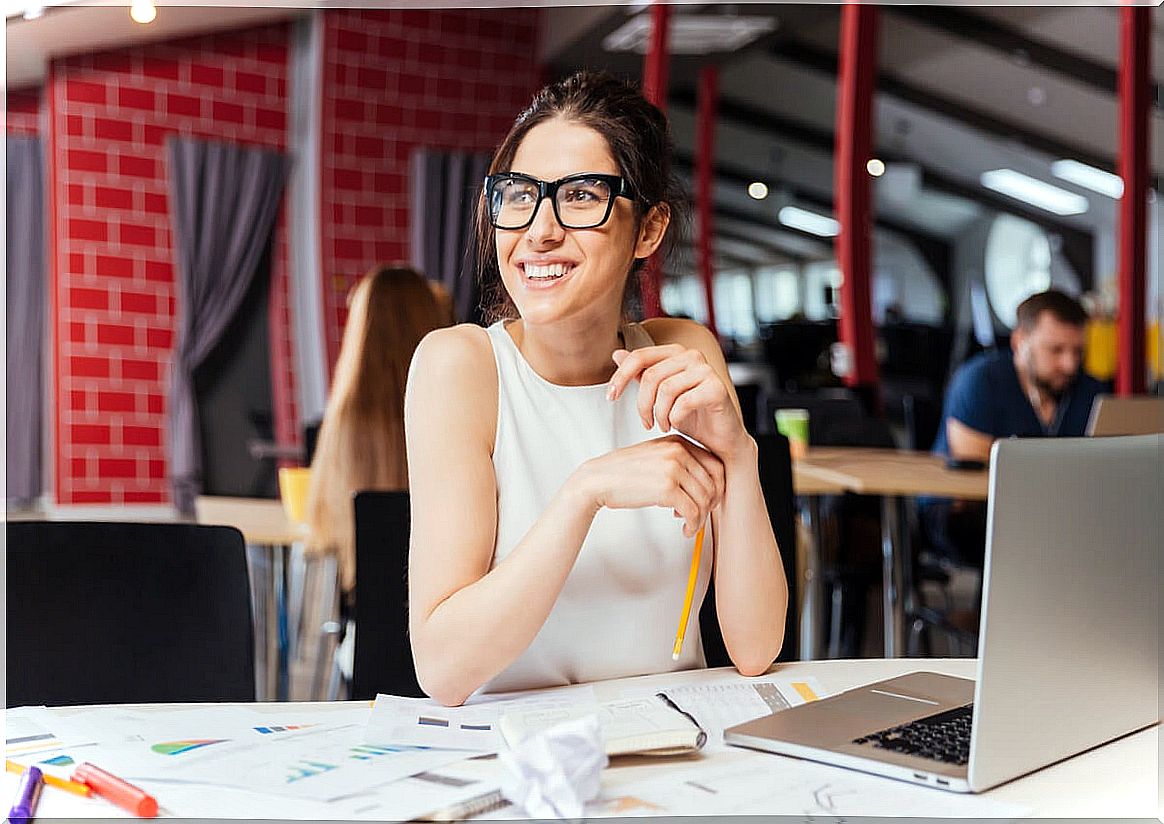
pixel 553 773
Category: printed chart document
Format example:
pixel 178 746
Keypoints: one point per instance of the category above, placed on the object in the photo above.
pixel 774 785
pixel 718 706
pixel 309 755
pixel 731 699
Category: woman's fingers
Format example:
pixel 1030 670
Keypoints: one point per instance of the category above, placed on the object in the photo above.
pixel 700 474
pixel 650 381
pixel 704 480
pixel 683 499
pixel 670 390
pixel 713 466
pixel 632 364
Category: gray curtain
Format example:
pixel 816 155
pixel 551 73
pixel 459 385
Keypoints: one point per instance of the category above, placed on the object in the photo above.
pixel 225 198
pixel 445 188
pixel 25 314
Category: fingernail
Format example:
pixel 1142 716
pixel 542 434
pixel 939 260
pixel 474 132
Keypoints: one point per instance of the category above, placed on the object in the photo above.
pixel 610 392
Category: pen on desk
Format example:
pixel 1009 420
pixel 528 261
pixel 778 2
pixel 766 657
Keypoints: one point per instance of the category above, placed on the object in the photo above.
pixel 60 783
pixel 691 579
pixel 119 792
pixel 24 806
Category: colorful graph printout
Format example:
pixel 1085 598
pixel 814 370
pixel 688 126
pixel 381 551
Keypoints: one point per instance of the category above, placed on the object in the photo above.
pixel 272 728
pixel 179 747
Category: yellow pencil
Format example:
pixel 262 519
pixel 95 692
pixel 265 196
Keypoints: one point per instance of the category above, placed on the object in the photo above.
pixel 65 784
pixel 692 577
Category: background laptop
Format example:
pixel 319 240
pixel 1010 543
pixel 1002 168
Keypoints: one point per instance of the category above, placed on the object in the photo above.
pixel 1069 637
pixel 1126 416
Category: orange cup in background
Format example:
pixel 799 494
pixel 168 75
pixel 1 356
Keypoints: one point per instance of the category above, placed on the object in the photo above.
pixel 294 482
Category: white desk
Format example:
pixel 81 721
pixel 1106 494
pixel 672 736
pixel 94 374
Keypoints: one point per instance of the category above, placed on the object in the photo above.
pixel 1117 780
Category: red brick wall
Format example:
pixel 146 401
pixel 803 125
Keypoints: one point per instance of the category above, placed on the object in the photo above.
pixel 393 80
pixel 113 291
pixel 22 112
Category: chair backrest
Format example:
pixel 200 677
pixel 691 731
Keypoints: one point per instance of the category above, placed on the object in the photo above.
pixel 103 613
pixel 922 419
pixel 826 411
pixel 383 654
pixel 775 466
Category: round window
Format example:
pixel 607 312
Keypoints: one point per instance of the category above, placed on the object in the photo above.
pixel 1018 264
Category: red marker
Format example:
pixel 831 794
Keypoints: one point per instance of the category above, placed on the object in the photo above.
pixel 113 789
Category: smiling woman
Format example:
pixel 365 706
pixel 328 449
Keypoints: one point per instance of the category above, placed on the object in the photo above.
pixel 581 452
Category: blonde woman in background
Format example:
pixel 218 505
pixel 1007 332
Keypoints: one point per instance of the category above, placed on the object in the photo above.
pixel 361 440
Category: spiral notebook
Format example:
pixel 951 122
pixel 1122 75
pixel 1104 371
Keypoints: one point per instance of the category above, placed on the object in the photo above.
pixel 643 726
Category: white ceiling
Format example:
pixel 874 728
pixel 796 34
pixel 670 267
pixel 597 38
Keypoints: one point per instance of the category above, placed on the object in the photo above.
pixel 76 29
pixel 966 74
pixel 957 69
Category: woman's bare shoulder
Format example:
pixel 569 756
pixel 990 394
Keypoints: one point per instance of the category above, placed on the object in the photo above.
pixel 454 348
pixel 682 331
pixel 454 376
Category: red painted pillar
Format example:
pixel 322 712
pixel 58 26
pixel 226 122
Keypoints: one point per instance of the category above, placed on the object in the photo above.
pixel 855 82
pixel 1135 99
pixel 707 103
pixel 655 66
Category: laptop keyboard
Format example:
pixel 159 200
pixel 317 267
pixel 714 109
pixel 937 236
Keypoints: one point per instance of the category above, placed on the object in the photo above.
pixel 943 737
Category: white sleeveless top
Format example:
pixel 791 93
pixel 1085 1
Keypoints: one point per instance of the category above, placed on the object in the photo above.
pixel 620 607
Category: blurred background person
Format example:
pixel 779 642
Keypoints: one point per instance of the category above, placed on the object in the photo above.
pixel 1037 389
pixel 361 440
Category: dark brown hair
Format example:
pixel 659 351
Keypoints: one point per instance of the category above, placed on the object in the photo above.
pixel 639 141
pixel 1062 307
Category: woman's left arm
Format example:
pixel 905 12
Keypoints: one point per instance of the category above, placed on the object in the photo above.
pixel 684 385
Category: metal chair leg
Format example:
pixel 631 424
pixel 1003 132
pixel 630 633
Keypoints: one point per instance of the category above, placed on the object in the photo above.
pixel 330 628
pixel 837 617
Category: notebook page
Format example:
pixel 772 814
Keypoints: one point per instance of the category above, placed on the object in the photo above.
pixel 716 707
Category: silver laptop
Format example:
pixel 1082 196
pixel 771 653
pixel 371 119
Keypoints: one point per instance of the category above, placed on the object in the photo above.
pixel 1141 415
pixel 1068 642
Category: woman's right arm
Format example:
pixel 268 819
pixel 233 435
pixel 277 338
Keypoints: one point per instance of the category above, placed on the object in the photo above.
pixel 467 622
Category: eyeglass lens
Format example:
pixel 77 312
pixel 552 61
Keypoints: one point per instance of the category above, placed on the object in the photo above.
pixel 580 204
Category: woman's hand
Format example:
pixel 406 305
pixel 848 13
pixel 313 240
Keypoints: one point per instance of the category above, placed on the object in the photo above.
pixel 668 472
pixel 679 389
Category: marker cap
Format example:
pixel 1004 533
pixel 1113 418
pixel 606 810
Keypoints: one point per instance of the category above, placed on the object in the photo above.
pixel 123 794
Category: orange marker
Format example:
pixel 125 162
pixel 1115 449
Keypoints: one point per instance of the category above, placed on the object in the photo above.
pixel 52 780
pixel 119 792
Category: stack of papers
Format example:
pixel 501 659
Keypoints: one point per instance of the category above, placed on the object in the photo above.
pixel 309 763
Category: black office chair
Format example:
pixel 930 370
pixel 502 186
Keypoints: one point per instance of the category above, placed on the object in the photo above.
pixel 775 465
pixel 102 613
pixel 853 565
pixel 383 654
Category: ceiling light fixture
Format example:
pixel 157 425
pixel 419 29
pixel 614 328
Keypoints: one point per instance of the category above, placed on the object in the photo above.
pixel 143 11
pixel 875 167
pixel 820 225
pixel 757 190
pixel 691 34
pixel 1089 177
pixel 1035 192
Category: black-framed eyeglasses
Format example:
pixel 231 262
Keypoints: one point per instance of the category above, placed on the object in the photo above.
pixel 581 201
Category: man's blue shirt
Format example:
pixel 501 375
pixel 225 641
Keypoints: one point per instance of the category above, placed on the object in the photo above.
pixel 985 394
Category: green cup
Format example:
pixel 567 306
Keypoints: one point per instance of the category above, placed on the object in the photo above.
pixel 793 424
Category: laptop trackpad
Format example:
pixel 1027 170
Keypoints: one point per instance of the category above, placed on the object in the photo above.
pixel 838 720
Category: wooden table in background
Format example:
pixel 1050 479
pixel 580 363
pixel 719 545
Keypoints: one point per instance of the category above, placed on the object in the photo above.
pixel 892 474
